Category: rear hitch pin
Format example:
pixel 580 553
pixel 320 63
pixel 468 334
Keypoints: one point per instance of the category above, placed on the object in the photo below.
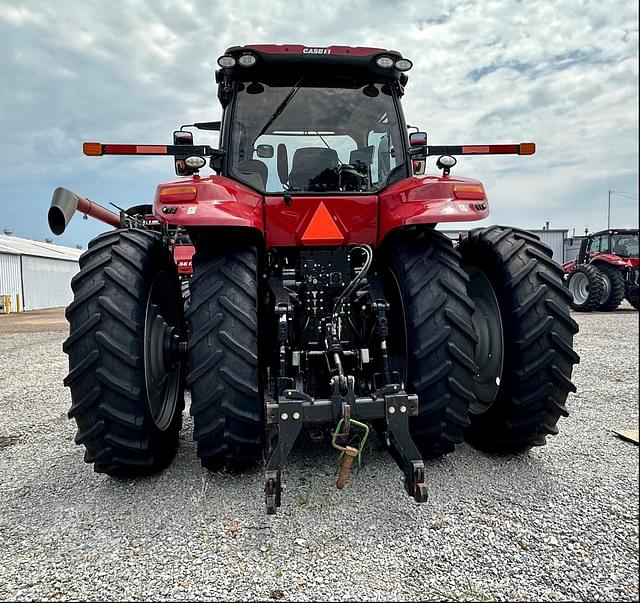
pixel 348 454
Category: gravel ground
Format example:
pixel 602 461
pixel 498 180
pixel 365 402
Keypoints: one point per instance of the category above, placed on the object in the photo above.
pixel 557 523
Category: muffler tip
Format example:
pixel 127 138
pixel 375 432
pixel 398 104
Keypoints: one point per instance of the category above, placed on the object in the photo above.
pixel 56 220
pixel 63 205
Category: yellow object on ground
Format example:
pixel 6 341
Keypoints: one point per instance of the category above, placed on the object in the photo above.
pixel 6 304
pixel 627 434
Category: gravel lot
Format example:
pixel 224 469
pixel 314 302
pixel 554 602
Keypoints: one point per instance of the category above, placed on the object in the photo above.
pixel 557 523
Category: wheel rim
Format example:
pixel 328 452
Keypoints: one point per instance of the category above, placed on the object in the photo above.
pixel 606 290
pixel 579 288
pixel 398 344
pixel 161 346
pixel 489 349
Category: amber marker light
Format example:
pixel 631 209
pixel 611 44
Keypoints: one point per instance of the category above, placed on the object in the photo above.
pixel 468 191
pixel 172 194
pixel 527 148
pixel 93 149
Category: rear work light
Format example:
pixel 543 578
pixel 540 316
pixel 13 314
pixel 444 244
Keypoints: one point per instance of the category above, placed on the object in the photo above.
pixel 403 64
pixel 247 60
pixel 226 61
pixel 195 161
pixel 385 62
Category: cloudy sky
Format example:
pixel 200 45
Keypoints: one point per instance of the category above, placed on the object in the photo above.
pixel 562 74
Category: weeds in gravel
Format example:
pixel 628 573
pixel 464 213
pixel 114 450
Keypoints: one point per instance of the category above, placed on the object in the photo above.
pixel 304 498
pixel 200 498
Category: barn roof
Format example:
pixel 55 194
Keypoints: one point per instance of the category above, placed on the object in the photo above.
pixel 17 246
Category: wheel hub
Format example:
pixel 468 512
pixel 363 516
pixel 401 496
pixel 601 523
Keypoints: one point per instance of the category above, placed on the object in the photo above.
pixel 162 352
pixel 579 288
pixel 489 349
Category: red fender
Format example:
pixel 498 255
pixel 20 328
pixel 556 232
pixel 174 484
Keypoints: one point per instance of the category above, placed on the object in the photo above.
pixel 429 200
pixel 209 201
pixel 614 260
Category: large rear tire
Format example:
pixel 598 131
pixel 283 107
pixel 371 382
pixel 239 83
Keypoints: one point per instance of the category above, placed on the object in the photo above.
pixel 633 296
pixel 224 377
pixel 587 288
pixel 431 328
pixel 613 292
pixel 125 325
pixel 538 357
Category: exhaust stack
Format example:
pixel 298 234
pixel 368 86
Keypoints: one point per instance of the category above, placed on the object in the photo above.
pixel 65 203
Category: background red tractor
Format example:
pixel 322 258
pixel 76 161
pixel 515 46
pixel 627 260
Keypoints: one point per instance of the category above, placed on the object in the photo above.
pixel 605 271
pixel 322 296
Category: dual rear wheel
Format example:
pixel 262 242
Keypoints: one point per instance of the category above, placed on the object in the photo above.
pixel 597 286
pixel 488 338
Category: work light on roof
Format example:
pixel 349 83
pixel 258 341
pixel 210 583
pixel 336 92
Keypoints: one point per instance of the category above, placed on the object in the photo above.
pixel 403 64
pixel 384 61
pixel 226 61
pixel 247 60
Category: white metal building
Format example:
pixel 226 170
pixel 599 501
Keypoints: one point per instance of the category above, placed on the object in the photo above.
pixel 554 238
pixel 39 272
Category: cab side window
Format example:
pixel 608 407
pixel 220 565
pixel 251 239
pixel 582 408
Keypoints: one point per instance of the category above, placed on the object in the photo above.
pixel 595 245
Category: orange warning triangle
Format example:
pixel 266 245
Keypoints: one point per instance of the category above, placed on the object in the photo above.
pixel 322 228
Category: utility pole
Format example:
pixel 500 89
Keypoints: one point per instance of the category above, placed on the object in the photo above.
pixel 622 194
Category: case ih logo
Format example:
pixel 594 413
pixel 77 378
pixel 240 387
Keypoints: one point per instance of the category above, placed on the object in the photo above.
pixel 316 51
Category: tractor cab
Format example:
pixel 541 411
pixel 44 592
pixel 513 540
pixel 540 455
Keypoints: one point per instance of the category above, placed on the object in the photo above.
pixel 313 120
pixel 622 243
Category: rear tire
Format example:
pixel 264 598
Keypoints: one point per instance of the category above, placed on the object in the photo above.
pixel 123 275
pixel 538 336
pixel 614 287
pixel 587 287
pixel 633 296
pixel 437 336
pixel 224 377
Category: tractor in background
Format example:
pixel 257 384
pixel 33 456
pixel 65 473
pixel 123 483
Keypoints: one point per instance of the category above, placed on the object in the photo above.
pixel 605 271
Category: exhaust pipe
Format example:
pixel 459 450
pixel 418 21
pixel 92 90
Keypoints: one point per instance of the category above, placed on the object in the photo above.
pixel 65 203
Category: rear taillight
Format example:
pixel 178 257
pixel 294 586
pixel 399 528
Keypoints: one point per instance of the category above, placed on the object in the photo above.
pixel 468 191
pixel 173 194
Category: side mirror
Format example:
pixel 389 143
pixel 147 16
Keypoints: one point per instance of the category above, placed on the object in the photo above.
pixel 264 151
pixel 418 139
pixel 182 137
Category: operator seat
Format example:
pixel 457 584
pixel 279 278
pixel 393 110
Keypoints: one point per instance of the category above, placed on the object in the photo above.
pixel 621 249
pixel 314 169
pixel 253 172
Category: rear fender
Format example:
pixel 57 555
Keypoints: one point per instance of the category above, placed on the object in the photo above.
pixel 212 201
pixel 430 200
pixel 611 259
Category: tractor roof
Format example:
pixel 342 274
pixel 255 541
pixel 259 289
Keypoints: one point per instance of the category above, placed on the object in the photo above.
pixel 614 231
pixel 285 64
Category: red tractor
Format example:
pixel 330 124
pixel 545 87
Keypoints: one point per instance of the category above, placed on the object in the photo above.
pixel 605 271
pixel 322 299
